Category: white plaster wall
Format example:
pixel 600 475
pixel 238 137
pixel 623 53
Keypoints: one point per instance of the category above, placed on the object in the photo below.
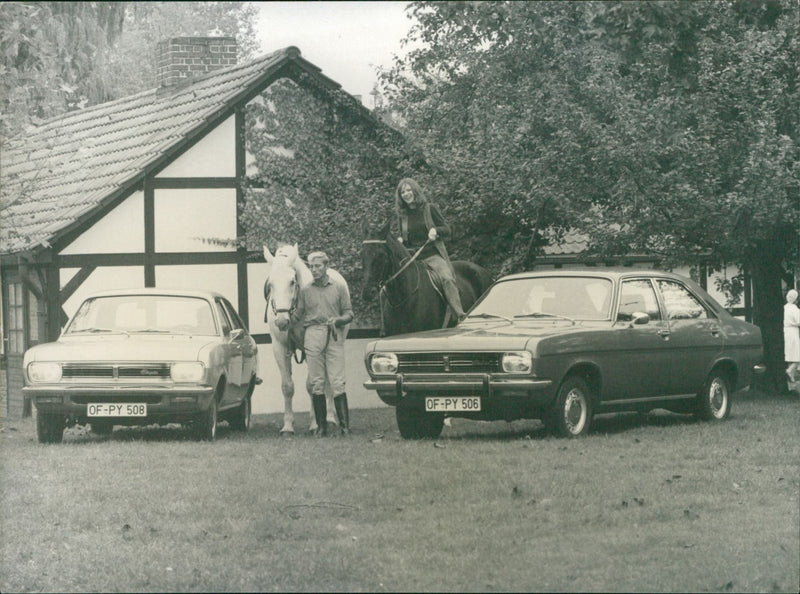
pixel 256 276
pixel 120 231
pixel 213 156
pixel 220 278
pixel 185 218
pixel 104 278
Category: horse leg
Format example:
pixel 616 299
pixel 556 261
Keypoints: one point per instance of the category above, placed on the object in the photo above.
pixel 283 358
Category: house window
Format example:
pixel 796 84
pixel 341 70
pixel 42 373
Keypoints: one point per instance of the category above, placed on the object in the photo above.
pixel 33 319
pixel 16 319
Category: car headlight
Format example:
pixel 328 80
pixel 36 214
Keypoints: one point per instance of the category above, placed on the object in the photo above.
pixel 187 372
pixel 383 363
pixel 517 362
pixel 44 372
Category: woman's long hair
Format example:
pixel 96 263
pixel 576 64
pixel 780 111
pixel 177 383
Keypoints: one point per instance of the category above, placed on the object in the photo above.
pixel 419 196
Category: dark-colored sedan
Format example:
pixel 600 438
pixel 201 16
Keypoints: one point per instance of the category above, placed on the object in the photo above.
pixel 562 346
pixel 145 356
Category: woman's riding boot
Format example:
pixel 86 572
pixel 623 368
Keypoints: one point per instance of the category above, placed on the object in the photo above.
pixel 342 412
pixel 453 299
pixel 321 413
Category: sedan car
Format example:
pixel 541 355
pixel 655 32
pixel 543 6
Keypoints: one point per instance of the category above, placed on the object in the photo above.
pixel 562 346
pixel 144 356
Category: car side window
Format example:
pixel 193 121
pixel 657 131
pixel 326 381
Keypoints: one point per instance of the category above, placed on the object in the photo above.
pixel 637 296
pixel 680 303
pixel 236 321
pixel 223 316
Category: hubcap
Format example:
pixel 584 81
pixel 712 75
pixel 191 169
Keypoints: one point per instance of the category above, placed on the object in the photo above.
pixel 717 398
pixel 575 411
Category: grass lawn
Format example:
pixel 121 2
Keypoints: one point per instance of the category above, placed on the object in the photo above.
pixel 656 503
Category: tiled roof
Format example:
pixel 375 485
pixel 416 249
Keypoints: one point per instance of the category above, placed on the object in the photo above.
pixel 59 171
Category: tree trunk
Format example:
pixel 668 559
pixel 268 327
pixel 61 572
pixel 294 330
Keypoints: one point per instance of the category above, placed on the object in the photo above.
pixel 768 315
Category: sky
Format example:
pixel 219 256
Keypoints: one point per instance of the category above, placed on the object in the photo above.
pixel 345 39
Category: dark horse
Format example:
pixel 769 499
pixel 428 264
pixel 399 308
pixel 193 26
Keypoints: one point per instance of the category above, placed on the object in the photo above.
pixel 409 301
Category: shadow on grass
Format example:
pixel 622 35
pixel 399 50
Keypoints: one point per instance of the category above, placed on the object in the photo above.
pixel 262 427
pixel 604 424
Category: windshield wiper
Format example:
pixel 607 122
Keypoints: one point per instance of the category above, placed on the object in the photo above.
pixel 540 314
pixel 152 331
pixel 489 315
pixel 95 330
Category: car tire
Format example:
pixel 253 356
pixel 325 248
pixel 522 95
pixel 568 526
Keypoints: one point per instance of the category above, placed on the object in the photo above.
pixel 415 423
pixel 206 426
pixel 102 427
pixel 50 427
pixel 240 418
pixel 714 402
pixel 571 413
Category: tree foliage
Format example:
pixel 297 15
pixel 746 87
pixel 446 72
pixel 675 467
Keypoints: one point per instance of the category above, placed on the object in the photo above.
pixel 61 56
pixel 669 128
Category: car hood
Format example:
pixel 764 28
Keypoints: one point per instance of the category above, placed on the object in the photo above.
pixel 120 347
pixel 488 336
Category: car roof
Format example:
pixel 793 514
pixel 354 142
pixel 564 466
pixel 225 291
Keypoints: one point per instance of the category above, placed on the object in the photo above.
pixel 610 273
pixel 210 295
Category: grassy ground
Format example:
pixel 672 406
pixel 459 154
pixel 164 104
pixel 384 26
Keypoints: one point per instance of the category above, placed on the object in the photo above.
pixel 656 503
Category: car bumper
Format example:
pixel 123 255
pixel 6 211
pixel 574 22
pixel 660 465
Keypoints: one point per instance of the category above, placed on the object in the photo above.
pixel 172 403
pixel 392 390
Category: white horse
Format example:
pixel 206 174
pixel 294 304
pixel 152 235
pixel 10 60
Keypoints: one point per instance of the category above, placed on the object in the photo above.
pixel 286 275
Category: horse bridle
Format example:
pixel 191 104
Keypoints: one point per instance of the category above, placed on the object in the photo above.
pixel 291 308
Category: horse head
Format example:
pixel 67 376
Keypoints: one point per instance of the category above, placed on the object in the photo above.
pixel 375 259
pixel 283 283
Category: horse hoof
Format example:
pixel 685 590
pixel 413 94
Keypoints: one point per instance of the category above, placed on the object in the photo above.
pixel 287 433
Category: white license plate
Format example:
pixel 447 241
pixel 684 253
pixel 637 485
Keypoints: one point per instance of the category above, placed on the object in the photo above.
pixel 452 403
pixel 110 409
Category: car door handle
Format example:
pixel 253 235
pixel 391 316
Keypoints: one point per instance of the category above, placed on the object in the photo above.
pixel 664 334
pixel 715 332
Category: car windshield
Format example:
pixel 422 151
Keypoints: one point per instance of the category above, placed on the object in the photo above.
pixel 146 314
pixel 567 297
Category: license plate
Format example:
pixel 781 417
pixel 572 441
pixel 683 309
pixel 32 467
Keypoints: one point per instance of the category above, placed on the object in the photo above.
pixel 452 403
pixel 110 409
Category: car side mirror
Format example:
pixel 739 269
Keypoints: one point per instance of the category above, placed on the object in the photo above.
pixel 639 317
pixel 236 334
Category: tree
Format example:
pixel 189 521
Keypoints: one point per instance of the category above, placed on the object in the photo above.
pixel 52 58
pixel 62 56
pixel 662 127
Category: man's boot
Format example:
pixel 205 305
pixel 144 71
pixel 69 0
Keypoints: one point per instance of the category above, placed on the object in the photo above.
pixel 454 299
pixel 321 413
pixel 342 412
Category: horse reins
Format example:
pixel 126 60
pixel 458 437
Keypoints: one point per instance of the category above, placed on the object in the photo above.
pixel 408 262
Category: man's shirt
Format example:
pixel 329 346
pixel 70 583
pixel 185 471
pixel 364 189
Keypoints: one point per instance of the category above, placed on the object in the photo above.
pixel 318 303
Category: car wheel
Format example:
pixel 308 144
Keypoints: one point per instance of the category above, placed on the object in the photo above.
pixel 240 419
pixel 102 427
pixel 49 427
pixel 206 426
pixel 415 423
pixel 571 414
pixel 714 402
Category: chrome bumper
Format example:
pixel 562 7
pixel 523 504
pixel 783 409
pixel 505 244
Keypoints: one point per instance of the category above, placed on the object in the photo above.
pixel 478 384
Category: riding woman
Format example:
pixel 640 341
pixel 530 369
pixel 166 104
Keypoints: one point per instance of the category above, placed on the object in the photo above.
pixel 421 221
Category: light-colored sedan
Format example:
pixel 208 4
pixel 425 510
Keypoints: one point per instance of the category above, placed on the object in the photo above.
pixel 562 346
pixel 144 356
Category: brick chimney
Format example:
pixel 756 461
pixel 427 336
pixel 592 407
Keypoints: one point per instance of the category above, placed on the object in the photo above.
pixel 183 58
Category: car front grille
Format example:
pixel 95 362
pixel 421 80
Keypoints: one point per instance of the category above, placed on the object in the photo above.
pixel 144 371
pixel 449 363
